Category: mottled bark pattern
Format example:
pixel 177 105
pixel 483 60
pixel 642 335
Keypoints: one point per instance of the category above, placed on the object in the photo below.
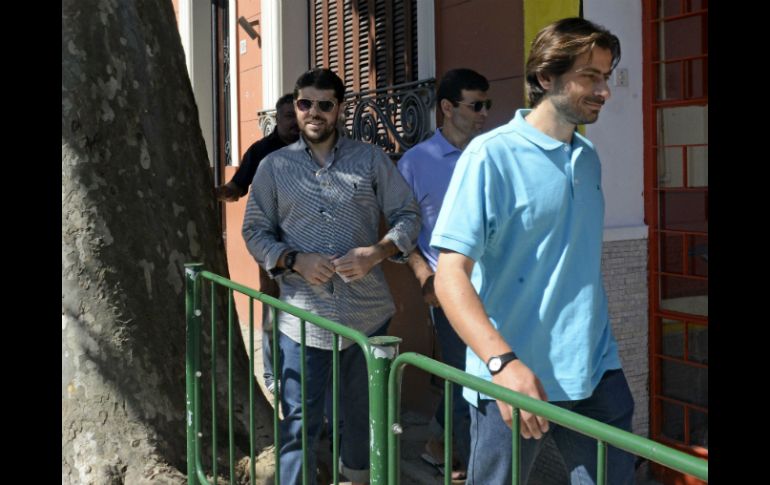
pixel 137 204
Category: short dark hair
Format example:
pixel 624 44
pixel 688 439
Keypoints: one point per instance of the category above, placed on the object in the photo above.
pixel 556 47
pixel 454 81
pixel 287 98
pixel 321 78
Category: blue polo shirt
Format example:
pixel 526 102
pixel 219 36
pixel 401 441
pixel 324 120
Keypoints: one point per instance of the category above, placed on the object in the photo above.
pixel 529 210
pixel 427 168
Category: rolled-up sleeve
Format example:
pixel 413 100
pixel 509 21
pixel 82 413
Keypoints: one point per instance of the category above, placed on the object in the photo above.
pixel 260 223
pixel 398 204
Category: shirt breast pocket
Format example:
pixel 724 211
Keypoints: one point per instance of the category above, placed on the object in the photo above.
pixel 363 189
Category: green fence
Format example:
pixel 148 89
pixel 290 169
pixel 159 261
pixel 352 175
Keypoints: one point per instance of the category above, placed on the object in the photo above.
pixel 603 433
pixel 384 377
pixel 378 351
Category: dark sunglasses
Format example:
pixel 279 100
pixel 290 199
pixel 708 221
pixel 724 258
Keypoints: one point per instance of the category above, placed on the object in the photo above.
pixel 323 106
pixel 477 105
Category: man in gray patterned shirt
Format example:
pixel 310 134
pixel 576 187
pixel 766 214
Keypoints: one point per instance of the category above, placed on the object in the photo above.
pixel 312 222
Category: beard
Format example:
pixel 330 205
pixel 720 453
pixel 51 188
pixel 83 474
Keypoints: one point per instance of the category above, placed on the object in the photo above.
pixel 572 109
pixel 574 112
pixel 317 135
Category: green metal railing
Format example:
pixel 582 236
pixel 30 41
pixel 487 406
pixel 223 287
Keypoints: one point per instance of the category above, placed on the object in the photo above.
pixel 384 377
pixel 378 352
pixel 603 433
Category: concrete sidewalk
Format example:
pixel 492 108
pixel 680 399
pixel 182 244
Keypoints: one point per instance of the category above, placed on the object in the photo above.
pixel 414 471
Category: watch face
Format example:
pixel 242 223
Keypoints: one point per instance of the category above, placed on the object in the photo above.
pixel 290 259
pixel 494 364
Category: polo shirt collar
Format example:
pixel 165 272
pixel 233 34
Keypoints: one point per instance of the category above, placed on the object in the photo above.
pixel 443 144
pixel 541 139
pixel 533 134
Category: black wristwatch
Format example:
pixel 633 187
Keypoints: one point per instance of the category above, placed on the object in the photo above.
pixel 496 363
pixel 290 260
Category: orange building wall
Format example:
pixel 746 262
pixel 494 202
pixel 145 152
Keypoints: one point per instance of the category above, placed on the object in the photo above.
pixel 175 3
pixel 488 40
pixel 241 265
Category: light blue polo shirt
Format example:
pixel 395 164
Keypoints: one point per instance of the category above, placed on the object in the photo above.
pixel 427 168
pixel 529 210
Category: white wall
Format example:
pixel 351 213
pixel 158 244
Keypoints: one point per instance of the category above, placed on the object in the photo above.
pixel 285 48
pixel 195 33
pixel 426 41
pixel 295 43
pixel 234 123
pixel 618 134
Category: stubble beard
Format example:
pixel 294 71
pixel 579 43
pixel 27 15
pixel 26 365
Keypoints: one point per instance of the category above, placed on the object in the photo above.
pixel 572 112
pixel 316 136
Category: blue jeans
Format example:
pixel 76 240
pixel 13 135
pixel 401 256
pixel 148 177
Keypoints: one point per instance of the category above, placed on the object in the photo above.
pixel 453 353
pixel 354 409
pixel 611 403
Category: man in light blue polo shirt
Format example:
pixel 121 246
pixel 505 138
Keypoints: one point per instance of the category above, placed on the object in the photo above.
pixel 427 168
pixel 519 274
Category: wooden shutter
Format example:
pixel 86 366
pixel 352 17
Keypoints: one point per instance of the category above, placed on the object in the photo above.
pixel 370 44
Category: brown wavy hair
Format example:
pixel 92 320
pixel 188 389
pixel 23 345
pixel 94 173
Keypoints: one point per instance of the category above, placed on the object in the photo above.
pixel 556 47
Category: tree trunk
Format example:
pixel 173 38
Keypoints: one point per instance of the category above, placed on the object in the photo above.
pixel 137 203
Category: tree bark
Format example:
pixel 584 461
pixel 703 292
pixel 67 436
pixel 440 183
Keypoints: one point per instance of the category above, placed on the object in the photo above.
pixel 137 203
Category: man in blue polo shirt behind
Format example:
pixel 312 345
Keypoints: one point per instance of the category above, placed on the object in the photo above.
pixel 519 274
pixel 427 168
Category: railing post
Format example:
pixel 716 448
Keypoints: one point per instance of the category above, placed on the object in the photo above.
pixel 193 326
pixel 383 350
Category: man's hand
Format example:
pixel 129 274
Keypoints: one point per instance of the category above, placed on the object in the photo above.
pixel 228 192
pixel 518 377
pixel 358 262
pixel 314 267
pixel 429 293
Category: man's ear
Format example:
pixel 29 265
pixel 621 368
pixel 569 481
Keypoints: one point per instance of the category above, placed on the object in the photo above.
pixel 545 81
pixel 446 107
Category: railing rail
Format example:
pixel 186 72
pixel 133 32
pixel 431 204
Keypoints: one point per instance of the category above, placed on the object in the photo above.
pixel 603 433
pixel 378 353
pixel 384 377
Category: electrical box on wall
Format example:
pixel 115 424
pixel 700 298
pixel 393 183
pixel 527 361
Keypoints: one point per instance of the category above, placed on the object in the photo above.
pixel 621 77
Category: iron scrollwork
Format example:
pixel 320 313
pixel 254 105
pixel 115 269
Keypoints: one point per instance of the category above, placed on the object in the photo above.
pixel 266 120
pixel 395 118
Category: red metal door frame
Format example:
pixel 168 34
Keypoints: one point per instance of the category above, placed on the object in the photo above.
pixel 652 196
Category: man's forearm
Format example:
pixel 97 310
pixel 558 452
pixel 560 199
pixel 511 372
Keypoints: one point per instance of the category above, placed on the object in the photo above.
pixel 422 271
pixel 384 249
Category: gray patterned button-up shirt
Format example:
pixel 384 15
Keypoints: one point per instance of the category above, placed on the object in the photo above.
pixel 296 204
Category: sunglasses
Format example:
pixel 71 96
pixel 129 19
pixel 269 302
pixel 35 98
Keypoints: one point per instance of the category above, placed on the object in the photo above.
pixel 323 106
pixel 477 105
